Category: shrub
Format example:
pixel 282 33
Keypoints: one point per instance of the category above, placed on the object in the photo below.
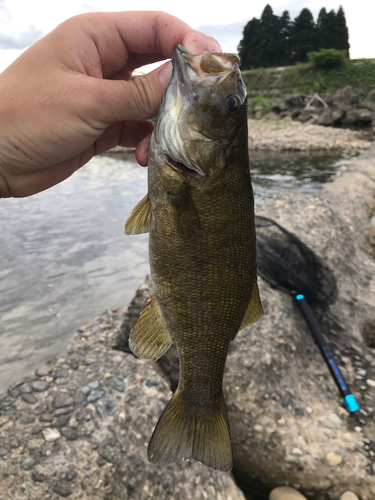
pixel 328 58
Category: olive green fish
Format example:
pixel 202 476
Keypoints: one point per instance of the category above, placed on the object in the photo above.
pixel 200 214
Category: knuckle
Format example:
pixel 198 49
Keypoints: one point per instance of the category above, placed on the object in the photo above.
pixel 144 97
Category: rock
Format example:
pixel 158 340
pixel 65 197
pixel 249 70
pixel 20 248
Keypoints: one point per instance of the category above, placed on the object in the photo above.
pixel 370 382
pixel 86 390
pixel 3 452
pixel 94 396
pixel 295 101
pixel 25 389
pixel 325 119
pixel 63 490
pixel 51 434
pixel 371 95
pixel 117 384
pixel 286 493
pixel 29 463
pixel 357 116
pixel 29 398
pixel 337 114
pixel 39 386
pixel 70 474
pixel 94 385
pixel 333 458
pixel 62 399
pixel 349 495
pixel 307 114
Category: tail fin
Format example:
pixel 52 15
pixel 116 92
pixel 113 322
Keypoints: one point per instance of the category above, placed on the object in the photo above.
pixel 188 432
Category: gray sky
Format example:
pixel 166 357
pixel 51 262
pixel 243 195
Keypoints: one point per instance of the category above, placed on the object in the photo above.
pixel 24 21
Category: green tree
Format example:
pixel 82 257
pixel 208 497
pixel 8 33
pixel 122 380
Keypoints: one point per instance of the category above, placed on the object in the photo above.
pixel 270 37
pixel 342 42
pixel 285 26
pixel 250 47
pixel 303 36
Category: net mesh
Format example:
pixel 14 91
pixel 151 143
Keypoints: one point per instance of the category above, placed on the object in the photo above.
pixel 288 264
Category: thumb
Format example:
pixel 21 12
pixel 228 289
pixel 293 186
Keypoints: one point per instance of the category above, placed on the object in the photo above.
pixel 136 99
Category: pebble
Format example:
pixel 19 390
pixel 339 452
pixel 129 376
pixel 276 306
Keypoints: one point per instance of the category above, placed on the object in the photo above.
pixel 94 385
pixel 152 383
pixel 29 463
pixel 39 386
pixel 3 452
pixel 370 382
pixel 62 489
pixel 95 395
pixel 258 428
pixel 51 434
pixel 64 410
pixel 61 374
pixel 29 398
pixel 349 495
pixel 4 420
pixel 69 433
pixel 62 400
pixel 357 481
pixel 286 493
pixel 15 384
pixel 358 428
pixel 333 458
pixel 117 384
pixel 86 390
pixel 98 329
pixel 70 474
pixel 46 417
pixel 297 451
pixel 25 389
pixel 62 420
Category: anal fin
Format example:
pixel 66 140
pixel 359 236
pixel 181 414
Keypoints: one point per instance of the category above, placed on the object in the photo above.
pixel 139 220
pixel 254 310
pixel 149 338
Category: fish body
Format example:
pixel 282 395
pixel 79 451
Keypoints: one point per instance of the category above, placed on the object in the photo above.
pixel 200 214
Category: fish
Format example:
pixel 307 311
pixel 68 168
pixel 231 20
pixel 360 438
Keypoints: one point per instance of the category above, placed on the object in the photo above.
pixel 199 212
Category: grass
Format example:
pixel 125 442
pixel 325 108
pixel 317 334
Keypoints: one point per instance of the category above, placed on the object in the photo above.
pixel 303 78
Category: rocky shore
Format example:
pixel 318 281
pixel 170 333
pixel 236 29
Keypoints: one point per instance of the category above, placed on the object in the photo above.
pixel 78 428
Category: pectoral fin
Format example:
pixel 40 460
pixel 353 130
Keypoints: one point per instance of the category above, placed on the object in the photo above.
pixel 139 220
pixel 184 212
pixel 254 310
pixel 150 338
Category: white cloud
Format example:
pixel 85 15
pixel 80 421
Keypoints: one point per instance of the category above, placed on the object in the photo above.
pixel 20 40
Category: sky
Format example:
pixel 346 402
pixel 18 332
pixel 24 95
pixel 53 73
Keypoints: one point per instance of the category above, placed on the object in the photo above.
pixel 22 22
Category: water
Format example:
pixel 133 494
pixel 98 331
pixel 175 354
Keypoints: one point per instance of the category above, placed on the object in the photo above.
pixel 64 258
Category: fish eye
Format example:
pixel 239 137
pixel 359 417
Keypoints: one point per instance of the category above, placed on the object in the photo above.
pixel 233 103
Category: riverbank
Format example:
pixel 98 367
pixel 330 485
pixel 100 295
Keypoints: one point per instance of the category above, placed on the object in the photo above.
pixel 80 425
pixel 275 134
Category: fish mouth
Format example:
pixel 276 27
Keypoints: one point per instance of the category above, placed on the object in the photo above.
pixel 185 169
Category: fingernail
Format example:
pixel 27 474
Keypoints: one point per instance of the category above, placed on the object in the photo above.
pixel 165 75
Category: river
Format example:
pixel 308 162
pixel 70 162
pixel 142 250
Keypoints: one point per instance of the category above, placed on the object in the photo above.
pixel 64 258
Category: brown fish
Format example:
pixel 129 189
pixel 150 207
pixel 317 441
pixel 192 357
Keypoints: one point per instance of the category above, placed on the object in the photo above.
pixel 200 214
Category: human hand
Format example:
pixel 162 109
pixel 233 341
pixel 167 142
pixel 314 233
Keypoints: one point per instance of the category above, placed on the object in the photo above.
pixel 72 95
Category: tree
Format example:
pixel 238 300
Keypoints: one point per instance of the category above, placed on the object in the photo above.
pixel 342 32
pixel 303 36
pixel 285 26
pixel 249 48
pixel 270 37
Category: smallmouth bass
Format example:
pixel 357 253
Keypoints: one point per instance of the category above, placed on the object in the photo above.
pixel 199 211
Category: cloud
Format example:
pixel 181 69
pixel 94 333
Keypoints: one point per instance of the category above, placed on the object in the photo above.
pixel 20 40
